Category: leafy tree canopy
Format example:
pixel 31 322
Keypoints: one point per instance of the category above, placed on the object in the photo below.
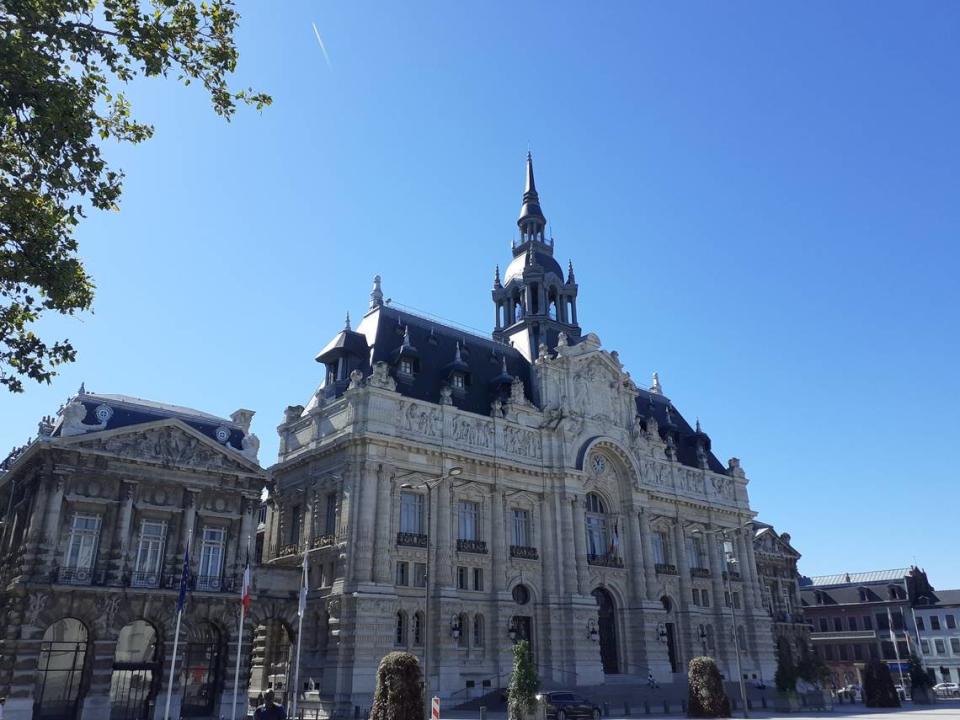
pixel 61 64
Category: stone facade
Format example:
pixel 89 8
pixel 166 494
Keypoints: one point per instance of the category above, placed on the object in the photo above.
pixel 555 500
pixel 100 509
pixel 780 586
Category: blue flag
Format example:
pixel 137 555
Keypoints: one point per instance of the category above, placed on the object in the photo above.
pixel 184 580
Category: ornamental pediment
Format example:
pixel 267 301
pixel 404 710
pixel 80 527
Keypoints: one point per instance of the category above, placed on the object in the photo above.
pixel 168 443
pixel 596 387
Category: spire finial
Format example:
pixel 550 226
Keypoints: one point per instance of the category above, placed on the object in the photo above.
pixel 346 323
pixel 570 278
pixel 698 424
pixel 531 221
pixel 456 357
pixel 376 295
pixel 656 387
pixel 406 336
pixel 83 389
pixel 496 277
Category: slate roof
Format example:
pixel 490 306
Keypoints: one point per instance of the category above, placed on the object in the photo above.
pixel 948 597
pixel 857 578
pixel 544 259
pixel 129 411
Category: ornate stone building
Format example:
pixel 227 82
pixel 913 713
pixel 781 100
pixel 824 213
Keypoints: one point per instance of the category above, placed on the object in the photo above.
pixel 99 509
pixel 780 585
pixel 552 498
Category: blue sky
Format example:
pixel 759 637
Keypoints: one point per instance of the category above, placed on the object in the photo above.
pixel 760 200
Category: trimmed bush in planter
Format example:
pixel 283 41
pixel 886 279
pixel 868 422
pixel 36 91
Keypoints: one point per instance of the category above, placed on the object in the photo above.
pixel 878 689
pixel 707 697
pixel 399 693
pixel 524 684
pixel 921 686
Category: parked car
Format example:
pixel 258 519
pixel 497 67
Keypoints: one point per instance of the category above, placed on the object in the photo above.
pixel 566 705
pixel 947 689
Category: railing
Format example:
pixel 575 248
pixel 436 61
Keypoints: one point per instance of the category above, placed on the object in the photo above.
pixel 78 576
pixel 844 635
pixel 323 541
pixel 665 569
pixel 731 575
pixel 472 546
pixel 605 560
pixel 523 552
pixel 288 550
pixel 145 579
pixel 413 539
pixel 700 572
pixel 209 583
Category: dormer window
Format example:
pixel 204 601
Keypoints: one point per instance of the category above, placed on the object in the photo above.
pixel 459 381
pixel 331 373
pixel 406 366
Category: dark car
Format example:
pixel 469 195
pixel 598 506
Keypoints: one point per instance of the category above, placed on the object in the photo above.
pixel 565 705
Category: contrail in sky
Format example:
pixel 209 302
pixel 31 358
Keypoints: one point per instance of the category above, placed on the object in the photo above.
pixel 322 47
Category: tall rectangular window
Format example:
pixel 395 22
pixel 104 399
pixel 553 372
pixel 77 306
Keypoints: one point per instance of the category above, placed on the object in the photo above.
pixel 934 622
pixel 955 645
pixel 823 625
pixel 951 622
pixel 81 548
pixel 920 623
pixel 210 567
pixel 296 520
pixel 521 528
pixel 411 513
pixel 705 597
pixel 940 646
pixel 149 554
pixel 330 515
pixel 852 622
pixel 478 578
pixel 660 548
pixel 695 552
pixel 597 535
pixel 867 622
pixel 462 579
pixel 402 573
pixel 469 513
pixel 420 575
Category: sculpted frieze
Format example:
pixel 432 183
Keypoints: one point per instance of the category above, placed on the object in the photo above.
pixel 421 419
pixel 474 432
pixel 168 445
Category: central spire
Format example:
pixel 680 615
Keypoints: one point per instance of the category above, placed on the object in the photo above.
pixel 531 221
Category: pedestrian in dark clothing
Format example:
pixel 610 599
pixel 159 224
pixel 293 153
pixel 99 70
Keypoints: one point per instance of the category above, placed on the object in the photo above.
pixel 270 710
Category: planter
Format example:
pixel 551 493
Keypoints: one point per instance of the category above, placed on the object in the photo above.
pixel 786 702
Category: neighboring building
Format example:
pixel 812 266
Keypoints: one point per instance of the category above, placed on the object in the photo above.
pixel 856 617
pixel 938 625
pixel 585 515
pixel 99 510
pixel 780 584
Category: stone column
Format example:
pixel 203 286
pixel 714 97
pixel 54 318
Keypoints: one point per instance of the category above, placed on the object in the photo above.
pixel 123 535
pixel 752 562
pixel 441 568
pixel 54 511
pixel 580 549
pixel 684 601
pixel 499 544
pixel 646 540
pixel 566 559
pixel 746 576
pixel 365 520
pixel 717 568
pixel 383 547
pixel 545 532
pixel 638 573
pixel 187 529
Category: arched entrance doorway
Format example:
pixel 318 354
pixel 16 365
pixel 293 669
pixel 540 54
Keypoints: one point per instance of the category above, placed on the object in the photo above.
pixel 607 625
pixel 136 672
pixel 63 654
pixel 202 672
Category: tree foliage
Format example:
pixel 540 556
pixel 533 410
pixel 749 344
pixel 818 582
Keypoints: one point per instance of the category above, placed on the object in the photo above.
pixel 707 698
pixel 811 667
pixel 399 691
pixel 878 689
pixel 524 683
pixel 786 676
pixel 63 64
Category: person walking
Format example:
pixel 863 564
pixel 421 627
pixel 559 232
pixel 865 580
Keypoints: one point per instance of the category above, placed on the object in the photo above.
pixel 270 710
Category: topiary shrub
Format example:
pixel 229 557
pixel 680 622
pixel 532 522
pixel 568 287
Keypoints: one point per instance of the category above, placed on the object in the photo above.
pixel 786 676
pixel 399 693
pixel 921 686
pixel 707 697
pixel 878 689
pixel 524 683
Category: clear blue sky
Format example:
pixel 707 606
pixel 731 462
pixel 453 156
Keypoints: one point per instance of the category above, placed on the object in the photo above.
pixel 760 200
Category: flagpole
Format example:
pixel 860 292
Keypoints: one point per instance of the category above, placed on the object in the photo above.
pixel 173 665
pixel 181 601
pixel 243 609
pixel 296 668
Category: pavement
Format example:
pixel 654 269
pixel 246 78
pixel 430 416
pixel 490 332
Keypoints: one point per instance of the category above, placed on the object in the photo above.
pixel 943 710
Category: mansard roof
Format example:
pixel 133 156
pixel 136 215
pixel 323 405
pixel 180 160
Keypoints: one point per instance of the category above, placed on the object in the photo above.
pixel 685 434
pixel 125 410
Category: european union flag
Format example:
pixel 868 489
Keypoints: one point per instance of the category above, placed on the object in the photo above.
pixel 184 580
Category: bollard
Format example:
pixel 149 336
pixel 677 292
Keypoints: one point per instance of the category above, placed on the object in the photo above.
pixel 483 712
pixel 626 709
pixel 666 708
pixel 749 704
pixel 763 700
pixel 646 706
pixel 606 709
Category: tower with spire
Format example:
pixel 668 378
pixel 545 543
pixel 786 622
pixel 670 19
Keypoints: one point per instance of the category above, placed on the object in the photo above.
pixel 533 301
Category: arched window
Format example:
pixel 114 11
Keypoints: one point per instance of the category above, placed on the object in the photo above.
pixel 401 637
pixel 418 629
pixel 63 652
pixel 596 521
pixel 136 672
pixel 478 630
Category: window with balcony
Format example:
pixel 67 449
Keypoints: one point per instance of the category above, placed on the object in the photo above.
pixel 925 647
pixel 521 528
pixel 920 625
pixel 955 645
pixel 695 554
pixel 837 624
pixel 596 522
pixel 852 622
pixel 146 571
pixel 823 625
pixel 660 553
pixel 81 549
pixel 469 515
pixel 330 515
pixel 411 513
pixel 210 568
pixel 867 622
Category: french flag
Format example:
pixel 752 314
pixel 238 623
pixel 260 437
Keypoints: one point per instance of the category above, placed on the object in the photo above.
pixel 245 592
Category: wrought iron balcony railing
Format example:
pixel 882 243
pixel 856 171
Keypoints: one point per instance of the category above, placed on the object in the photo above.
pixel 731 575
pixel 78 576
pixel 324 541
pixel 605 560
pixel 665 569
pixel 472 546
pixel 145 578
pixel 523 552
pixel 413 539
pixel 288 550
pixel 699 572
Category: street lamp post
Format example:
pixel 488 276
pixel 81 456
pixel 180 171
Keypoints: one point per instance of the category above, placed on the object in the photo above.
pixel 728 587
pixel 429 485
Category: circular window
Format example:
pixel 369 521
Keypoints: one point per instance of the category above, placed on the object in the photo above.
pixel 222 434
pixel 521 596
